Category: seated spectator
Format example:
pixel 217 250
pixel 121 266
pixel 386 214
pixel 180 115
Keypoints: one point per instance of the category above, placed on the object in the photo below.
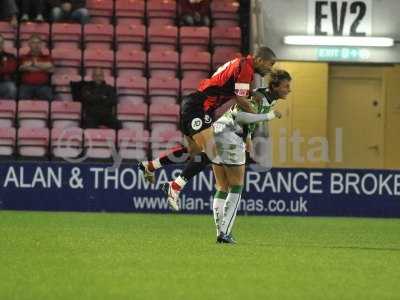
pixel 8 67
pixel 35 69
pixel 195 12
pixel 9 11
pixel 32 8
pixel 99 103
pixel 69 10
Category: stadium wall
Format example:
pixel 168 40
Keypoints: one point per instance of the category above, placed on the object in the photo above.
pixel 282 191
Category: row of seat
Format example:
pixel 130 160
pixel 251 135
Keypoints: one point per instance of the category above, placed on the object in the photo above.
pixel 75 142
pixel 65 114
pixel 156 11
pixel 123 36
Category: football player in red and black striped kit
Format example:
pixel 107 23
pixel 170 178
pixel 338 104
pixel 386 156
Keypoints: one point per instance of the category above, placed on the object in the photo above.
pixel 231 81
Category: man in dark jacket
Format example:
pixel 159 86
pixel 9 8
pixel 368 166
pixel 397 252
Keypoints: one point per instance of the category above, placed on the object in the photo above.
pixel 99 102
pixel 69 10
pixel 8 67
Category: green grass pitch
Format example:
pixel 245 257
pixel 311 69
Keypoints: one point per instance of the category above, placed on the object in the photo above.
pixel 148 256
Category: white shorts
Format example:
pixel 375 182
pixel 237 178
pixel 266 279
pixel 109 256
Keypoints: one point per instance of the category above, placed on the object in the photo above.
pixel 231 149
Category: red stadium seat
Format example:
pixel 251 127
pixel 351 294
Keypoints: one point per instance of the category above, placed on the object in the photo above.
pixel 110 80
pixel 66 35
pixel 161 12
pixel 227 38
pixel 66 142
pixel 9 34
pixel 25 50
pixel 130 11
pixel 62 86
pixel 133 143
pixel 7 113
pixel 225 13
pixel 222 56
pixel 160 112
pixel 164 90
pixel 131 63
pixel 64 114
pixel 98 36
pixel 33 142
pixel 130 36
pixel 130 113
pixel 66 61
pixel 163 37
pixel 101 58
pixel 27 29
pixel 7 141
pixel 194 38
pixel 195 65
pixel 163 63
pixel 99 143
pixel 188 85
pixel 33 113
pixel 101 11
pixel 133 89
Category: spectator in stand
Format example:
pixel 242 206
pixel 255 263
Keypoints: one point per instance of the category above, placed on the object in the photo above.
pixel 69 10
pixel 35 68
pixel 33 8
pixel 9 11
pixel 195 12
pixel 99 102
pixel 8 67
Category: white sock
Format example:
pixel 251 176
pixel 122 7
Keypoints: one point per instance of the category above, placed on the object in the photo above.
pixel 218 208
pixel 230 209
pixel 180 182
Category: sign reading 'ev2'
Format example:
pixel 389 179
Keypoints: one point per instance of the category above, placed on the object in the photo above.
pixel 340 17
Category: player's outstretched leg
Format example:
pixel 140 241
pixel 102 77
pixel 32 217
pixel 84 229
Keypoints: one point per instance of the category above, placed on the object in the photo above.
pixel 174 156
pixel 172 189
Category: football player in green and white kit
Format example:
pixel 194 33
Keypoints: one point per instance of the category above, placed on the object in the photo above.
pixel 232 131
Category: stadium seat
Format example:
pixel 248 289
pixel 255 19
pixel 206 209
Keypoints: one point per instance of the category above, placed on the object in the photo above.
pixel 7 141
pixel 9 34
pixel 27 29
pixel 99 143
pixel 228 38
pixel 160 112
pixel 66 35
pixel 102 58
pixel 66 61
pixel 188 85
pixel 225 13
pixel 33 142
pixel 222 56
pixel 62 85
pixel 162 140
pixel 64 114
pixel 163 63
pixel 110 80
pixel 7 113
pixel 195 65
pixel 101 11
pixel 162 37
pixel 131 113
pixel 98 36
pixel 132 89
pixel 163 90
pixel 161 12
pixel 25 50
pixel 133 143
pixel 33 113
pixel 130 11
pixel 130 36
pixel 66 142
pixel 194 38
pixel 131 62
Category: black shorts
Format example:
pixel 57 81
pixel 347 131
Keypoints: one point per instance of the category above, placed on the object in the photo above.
pixel 193 118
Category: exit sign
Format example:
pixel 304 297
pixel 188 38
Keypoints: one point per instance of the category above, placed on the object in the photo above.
pixel 344 54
